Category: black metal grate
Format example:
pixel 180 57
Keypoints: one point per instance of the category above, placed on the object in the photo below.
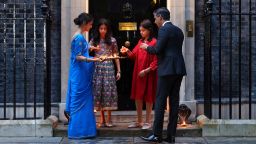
pixel 23 61
pixel 229 50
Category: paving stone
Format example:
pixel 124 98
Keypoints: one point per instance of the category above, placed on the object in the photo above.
pixel 100 140
pixel 49 140
pixel 125 140
pixel 190 140
pixel 121 130
pixel 231 140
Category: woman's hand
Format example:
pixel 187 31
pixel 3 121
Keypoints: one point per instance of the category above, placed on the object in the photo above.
pixel 96 49
pixel 102 58
pixel 118 76
pixel 92 59
pixel 96 59
pixel 124 50
pixel 142 73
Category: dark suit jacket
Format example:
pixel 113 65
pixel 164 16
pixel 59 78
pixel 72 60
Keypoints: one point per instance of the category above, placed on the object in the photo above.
pixel 169 50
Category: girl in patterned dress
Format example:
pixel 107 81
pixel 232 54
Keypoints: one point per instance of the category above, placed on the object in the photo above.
pixel 105 77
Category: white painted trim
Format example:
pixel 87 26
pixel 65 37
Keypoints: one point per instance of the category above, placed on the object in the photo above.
pixel 87 11
pixel 168 5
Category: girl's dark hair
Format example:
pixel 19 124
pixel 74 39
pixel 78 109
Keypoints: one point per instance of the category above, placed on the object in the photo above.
pixel 96 35
pixel 83 18
pixel 147 24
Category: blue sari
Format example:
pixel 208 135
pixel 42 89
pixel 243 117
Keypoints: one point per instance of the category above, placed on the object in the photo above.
pixel 79 101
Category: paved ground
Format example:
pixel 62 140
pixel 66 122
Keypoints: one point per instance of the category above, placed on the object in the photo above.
pixel 125 140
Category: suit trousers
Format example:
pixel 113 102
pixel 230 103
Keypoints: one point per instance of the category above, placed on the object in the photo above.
pixel 167 86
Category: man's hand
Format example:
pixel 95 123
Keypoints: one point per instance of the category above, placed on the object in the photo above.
pixel 143 46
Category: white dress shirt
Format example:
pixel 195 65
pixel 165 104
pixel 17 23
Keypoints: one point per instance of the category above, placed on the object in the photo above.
pixel 165 22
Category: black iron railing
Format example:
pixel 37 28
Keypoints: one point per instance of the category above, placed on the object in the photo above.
pixel 25 59
pixel 214 17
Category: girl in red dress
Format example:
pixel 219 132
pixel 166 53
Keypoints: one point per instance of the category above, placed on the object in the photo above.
pixel 144 79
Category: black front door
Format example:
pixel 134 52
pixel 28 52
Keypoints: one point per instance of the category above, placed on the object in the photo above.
pixel 118 12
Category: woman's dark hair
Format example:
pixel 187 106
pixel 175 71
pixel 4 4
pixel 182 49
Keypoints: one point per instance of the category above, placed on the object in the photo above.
pixel 83 18
pixel 147 24
pixel 96 35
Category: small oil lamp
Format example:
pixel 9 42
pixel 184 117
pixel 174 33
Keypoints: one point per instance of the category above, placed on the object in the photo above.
pixel 183 114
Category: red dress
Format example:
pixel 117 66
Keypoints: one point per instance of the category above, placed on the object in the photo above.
pixel 144 88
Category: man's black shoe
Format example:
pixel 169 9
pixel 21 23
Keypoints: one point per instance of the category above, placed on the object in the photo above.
pixel 152 138
pixel 169 140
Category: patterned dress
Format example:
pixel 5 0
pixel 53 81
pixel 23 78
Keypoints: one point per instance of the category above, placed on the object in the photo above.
pixel 104 80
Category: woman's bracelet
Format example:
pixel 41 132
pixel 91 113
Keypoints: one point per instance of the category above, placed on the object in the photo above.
pixel 119 72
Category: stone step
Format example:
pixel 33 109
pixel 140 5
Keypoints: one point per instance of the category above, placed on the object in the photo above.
pixel 122 119
pixel 126 116
pixel 121 130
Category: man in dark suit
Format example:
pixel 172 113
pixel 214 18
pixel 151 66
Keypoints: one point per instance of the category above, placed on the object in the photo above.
pixel 171 69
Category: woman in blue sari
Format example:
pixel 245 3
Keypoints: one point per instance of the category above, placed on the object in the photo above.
pixel 79 101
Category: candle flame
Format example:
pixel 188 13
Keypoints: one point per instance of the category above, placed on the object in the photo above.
pixel 183 124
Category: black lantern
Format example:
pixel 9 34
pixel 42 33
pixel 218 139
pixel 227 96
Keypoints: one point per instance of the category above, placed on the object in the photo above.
pixel 44 8
pixel 209 5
